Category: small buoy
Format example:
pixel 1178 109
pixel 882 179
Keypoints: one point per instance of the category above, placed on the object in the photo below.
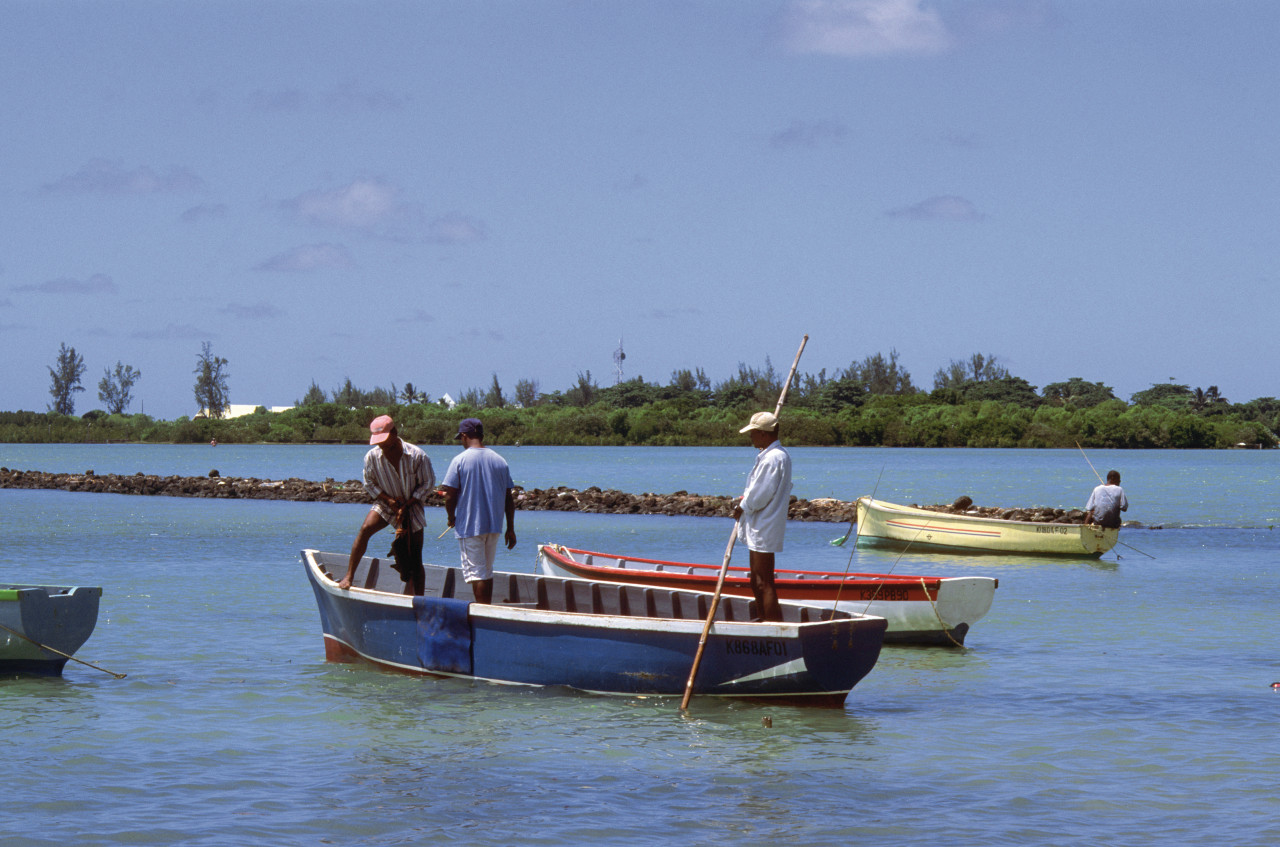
pixel 767 722
pixel 1275 686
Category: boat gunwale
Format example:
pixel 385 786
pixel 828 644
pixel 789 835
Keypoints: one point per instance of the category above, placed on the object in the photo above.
pixel 830 579
pixel 505 611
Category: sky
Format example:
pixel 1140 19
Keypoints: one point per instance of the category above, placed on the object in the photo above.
pixel 440 192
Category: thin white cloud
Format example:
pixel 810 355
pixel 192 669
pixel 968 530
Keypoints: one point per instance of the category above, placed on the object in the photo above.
pixel 207 211
pixel 942 208
pixel 356 97
pixel 309 257
pixel 346 97
pixel 864 28
pixel 367 206
pixel 637 182
pixel 456 229
pixel 285 100
pixel 808 134
pixel 262 310
pixel 418 317
pixel 171 332
pixel 484 334
pixel 960 140
pixel 363 205
pixel 375 209
pixel 96 284
pixel 102 176
pixel 667 313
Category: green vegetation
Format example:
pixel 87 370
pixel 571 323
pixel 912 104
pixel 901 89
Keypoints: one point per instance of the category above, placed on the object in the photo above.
pixel 210 390
pixel 64 381
pixel 116 389
pixel 871 403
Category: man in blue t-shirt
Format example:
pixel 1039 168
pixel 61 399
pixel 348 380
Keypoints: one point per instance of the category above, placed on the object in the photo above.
pixel 477 494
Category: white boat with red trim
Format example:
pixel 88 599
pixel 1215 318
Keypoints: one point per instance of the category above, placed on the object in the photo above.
pixel 928 610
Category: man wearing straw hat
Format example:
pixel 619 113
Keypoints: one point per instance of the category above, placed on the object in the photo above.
pixel 762 512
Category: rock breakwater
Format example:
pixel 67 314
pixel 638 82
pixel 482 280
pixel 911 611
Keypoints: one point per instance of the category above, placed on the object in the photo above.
pixel 1035 514
pixel 590 500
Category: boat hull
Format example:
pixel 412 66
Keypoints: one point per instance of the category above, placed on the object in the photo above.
pixel 929 611
pixel 895 527
pixel 814 662
pixel 35 618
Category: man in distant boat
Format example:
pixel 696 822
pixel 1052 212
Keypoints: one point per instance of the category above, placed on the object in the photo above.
pixel 478 492
pixel 1106 503
pixel 399 477
pixel 762 512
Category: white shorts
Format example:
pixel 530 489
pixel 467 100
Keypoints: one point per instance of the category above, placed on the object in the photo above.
pixel 478 554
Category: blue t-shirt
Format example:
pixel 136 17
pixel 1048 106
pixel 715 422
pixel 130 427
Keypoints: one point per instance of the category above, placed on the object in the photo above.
pixel 482 479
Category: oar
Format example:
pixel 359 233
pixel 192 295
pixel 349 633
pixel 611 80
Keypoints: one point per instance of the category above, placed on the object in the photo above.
pixel 728 553
pixel 60 653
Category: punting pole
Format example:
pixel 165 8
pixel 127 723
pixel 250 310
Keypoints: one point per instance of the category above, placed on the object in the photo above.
pixel 728 552
pixel 60 653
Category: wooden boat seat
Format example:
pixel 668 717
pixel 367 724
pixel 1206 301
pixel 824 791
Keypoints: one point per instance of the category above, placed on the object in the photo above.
pixel 441 582
pixel 531 591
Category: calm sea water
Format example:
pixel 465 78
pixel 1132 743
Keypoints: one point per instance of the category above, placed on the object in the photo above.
pixel 1125 701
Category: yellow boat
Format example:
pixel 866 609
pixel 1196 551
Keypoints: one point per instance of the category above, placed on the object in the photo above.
pixel 882 524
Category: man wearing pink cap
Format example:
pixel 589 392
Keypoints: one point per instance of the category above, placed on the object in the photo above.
pixel 399 477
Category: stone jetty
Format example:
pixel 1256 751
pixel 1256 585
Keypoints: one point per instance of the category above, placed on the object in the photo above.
pixel 591 500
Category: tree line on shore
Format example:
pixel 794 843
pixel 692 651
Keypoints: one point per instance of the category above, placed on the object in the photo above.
pixel 973 403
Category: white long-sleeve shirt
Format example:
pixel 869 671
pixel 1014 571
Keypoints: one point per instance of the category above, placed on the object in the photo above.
pixel 412 481
pixel 764 502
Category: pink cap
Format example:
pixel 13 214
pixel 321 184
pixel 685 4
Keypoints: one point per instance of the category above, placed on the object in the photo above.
pixel 381 428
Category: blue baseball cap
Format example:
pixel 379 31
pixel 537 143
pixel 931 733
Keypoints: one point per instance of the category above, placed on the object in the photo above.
pixel 471 427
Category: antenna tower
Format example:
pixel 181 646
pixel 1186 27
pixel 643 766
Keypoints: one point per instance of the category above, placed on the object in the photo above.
pixel 618 358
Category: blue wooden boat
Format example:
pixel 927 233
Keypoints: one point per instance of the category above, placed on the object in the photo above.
pixel 606 638
pixel 41 626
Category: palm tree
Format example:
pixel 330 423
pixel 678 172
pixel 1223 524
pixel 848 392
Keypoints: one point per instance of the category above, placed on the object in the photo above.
pixel 409 394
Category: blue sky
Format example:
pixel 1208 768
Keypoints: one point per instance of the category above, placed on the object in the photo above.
pixel 437 192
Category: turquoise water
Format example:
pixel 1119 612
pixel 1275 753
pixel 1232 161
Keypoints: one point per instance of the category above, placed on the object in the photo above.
pixel 1125 701
pixel 1168 488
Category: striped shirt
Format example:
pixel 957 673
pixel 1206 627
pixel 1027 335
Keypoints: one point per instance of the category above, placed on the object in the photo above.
pixel 414 480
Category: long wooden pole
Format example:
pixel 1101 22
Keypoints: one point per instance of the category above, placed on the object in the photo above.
pixel 728 552
pixel 60 653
